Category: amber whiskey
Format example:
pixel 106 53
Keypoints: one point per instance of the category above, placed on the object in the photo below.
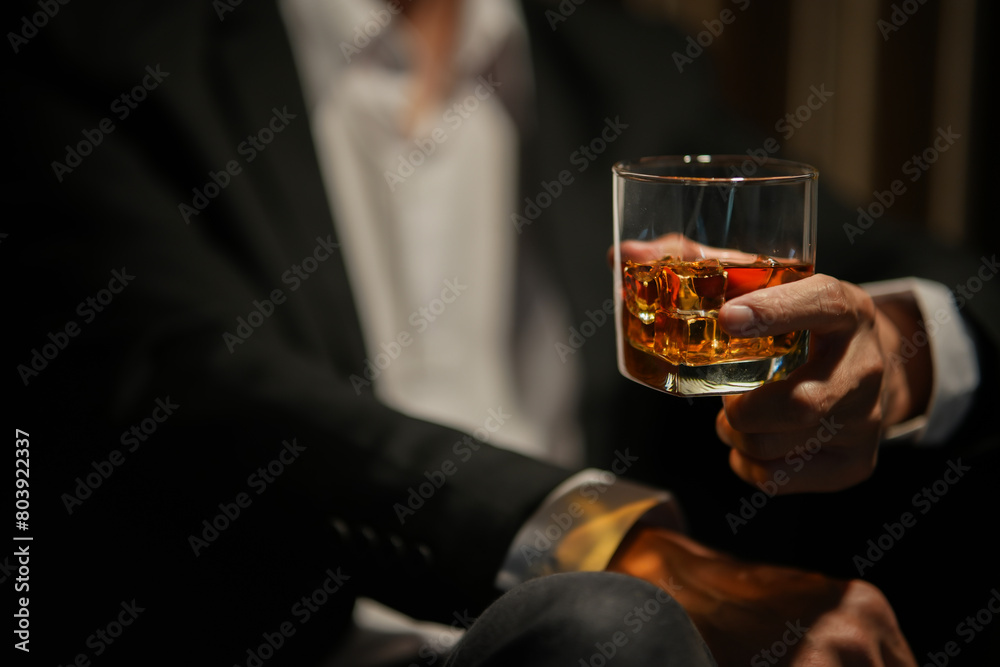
pixel 672 307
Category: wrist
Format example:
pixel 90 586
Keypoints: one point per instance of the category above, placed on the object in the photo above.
pixel 907 373
pixel 647 552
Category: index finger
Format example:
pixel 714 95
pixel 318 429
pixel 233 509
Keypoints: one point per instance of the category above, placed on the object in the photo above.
pixel 819 303
pixel 680 247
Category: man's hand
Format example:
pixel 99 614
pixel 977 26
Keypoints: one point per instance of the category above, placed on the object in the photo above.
pixel 830 411
pixel 777 615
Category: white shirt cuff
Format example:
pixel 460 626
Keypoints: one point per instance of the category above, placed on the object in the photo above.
pixel 953 356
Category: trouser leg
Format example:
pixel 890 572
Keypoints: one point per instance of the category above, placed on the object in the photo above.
pixel 583 619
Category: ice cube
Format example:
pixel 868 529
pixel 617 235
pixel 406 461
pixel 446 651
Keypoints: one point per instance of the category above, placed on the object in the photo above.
pixel 690 340
pixel 641 289
pixel 695 286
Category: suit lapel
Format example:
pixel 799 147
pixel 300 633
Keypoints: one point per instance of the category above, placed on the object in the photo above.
pixel 258 87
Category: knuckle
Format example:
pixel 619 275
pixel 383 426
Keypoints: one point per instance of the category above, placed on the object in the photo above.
pixel 867 310
pixel 875 417
pixel 834 300
pixel 867 385
pixel 853 633
pixel 872 607
pixel 870 602
pixel 867 375
pixel 772 307
pixel 874 366
pixel 812 401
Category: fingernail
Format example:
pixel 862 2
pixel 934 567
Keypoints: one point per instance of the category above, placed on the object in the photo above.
pixel 738 319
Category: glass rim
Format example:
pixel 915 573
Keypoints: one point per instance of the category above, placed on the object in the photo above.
pixel 638 169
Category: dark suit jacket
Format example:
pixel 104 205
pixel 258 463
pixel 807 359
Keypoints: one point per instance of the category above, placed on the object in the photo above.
pixel 235 490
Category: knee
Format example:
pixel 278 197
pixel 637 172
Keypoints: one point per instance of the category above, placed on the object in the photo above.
pixel 583 619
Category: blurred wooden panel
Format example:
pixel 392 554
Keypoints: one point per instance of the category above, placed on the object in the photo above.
pixel 834 47
pixel 901 71
pixel 947 208
pixel 906 61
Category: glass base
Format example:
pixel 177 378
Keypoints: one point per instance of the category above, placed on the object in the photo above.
pixel 731 377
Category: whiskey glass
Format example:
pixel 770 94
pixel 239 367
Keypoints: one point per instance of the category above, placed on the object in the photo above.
pixel 690 233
